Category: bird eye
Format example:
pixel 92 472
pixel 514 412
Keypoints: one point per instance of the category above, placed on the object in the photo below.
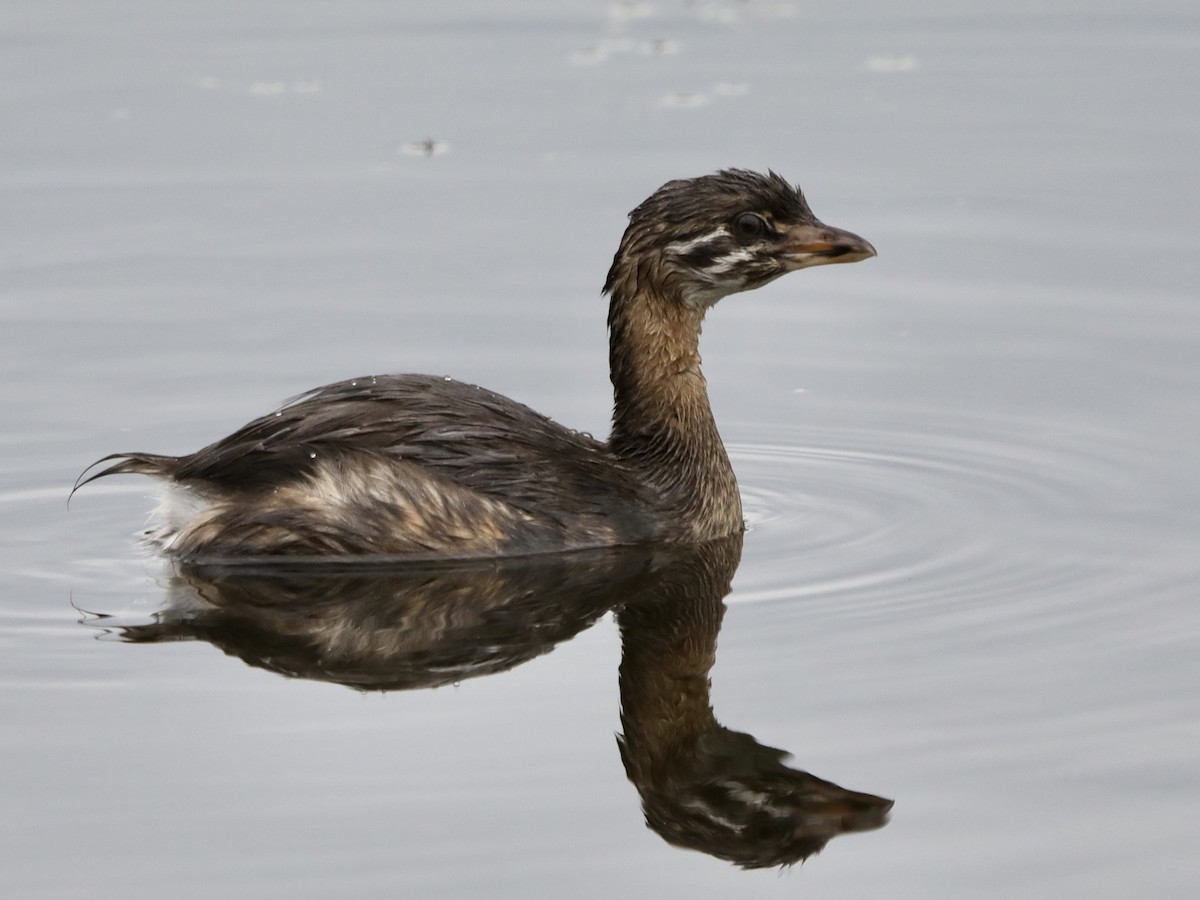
pixel 749 225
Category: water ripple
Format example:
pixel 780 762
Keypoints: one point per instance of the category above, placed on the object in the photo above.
pixel 906 518
pixel 885 519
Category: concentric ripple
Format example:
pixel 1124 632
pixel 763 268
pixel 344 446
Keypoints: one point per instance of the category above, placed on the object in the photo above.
pixel 904 518
pixel 888 518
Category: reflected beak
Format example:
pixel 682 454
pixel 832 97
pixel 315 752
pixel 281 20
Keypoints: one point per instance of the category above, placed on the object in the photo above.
pixel 814 244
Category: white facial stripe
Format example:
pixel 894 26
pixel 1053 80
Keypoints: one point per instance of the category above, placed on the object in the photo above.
pixel 725 264
pixel 714 264
pixel 679 248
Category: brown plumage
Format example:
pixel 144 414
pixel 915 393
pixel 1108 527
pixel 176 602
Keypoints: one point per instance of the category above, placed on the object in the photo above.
pixel 704 786
pixel 418 465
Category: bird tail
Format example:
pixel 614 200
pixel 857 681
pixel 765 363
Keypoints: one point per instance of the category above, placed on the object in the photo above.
pixel 128 464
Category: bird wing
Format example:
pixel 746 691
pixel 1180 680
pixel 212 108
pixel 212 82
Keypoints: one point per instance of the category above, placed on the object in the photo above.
pixel 477 438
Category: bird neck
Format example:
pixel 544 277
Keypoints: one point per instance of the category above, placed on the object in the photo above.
pixel 662 422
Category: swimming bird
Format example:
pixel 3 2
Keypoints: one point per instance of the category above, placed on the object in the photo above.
pixel 416 465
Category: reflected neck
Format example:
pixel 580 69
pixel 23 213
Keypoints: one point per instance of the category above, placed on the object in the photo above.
pixel 668 648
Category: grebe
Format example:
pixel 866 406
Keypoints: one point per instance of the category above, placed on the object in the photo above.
pixel 403 465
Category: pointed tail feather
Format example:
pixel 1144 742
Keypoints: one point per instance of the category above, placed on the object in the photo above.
pixel 128 464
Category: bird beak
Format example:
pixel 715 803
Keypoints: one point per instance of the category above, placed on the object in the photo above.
pixel 814 244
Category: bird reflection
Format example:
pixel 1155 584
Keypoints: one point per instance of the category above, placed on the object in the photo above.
pixel 394 627
pixel 703 786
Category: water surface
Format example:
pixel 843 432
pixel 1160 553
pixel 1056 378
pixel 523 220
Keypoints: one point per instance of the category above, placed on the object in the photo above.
pixel 969 465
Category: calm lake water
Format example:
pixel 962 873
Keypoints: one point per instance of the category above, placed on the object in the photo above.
pixel 970 466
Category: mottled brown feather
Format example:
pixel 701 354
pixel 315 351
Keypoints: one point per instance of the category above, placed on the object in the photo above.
pixel 415 464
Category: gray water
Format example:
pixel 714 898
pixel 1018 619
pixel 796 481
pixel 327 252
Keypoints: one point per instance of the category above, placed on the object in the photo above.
pixel 969 466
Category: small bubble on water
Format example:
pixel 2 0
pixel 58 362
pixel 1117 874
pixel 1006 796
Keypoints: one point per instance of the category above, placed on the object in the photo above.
pixel 628 11
pixel 891 62
pixel 682 100
pixel 428 147
pixel 268 88
pixel 588 57
pixel 659 47
pixel 730 88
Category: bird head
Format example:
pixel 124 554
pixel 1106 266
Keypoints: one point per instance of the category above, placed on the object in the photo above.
pixel 701 239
